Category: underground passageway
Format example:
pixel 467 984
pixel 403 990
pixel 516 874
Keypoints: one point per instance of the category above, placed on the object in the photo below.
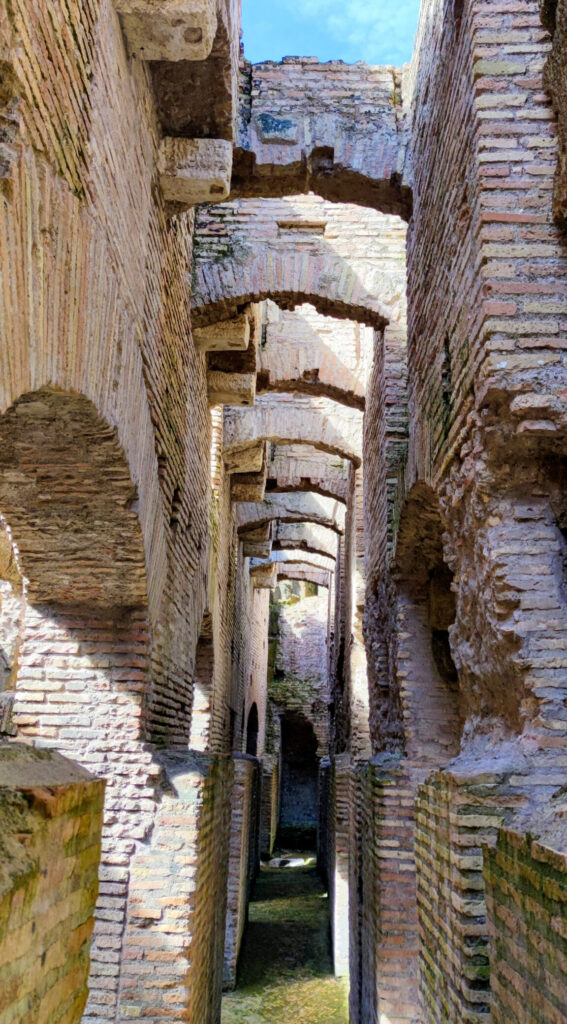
pixel 285 972
pixel 283 513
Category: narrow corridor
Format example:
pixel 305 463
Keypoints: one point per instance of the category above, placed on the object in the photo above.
pixel 285 972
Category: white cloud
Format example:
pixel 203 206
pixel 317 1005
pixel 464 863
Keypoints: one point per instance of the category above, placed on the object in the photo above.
pixel 373 30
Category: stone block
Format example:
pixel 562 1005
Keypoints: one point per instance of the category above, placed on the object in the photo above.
pixel 248 459
pixel 169 30
pixel 257 543
pixel 264 576
pixel 226 336
pixel 231 388
pixel 250 486
pixel 195 170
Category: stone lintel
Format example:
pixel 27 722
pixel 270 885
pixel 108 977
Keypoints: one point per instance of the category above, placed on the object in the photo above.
pixel 231 388
pixel 225 336
pixel 195 171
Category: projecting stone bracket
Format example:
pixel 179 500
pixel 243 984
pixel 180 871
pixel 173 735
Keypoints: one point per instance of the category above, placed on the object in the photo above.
pixel 264 576
pixel 248 459
pixel 193 171
pixel 258 543
pixel 231 388
pixel 225 336
pixel 169 30
pixel 250 486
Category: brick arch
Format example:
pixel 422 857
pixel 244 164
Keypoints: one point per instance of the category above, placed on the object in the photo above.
pixel 321 423
pixel 330 128
pixel 68 497
pixel 426 688
pixel 309 384
pixel 315 560
pixel 290 277
pixel 310 354
pixel 291 508
pixel 419 545
pixel 306 468
pixel 305 573
pixel 309 537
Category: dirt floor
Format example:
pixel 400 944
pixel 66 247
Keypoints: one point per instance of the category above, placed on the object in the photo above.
pixel 285 974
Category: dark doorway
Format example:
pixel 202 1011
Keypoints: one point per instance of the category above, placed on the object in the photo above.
pixel 252 732
pixel 299 788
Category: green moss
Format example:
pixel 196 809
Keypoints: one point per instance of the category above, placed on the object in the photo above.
pixel 290 690
pixel 285 971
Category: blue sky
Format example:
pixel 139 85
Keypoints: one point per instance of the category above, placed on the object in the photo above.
pixel 377 31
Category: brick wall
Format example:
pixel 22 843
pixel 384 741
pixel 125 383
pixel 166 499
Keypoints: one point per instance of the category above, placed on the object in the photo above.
pixel 244 812
pixel 457 812
pixel 388 908
pixel 51 817
pixel 526 897
pixel 331 128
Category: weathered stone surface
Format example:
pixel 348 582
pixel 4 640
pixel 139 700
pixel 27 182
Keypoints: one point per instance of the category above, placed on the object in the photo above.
pixel 169 30
pixel 248 459
pixel 193 171
pixel 225 336
pixel 250 486
pixel 263 575
pixel 231 388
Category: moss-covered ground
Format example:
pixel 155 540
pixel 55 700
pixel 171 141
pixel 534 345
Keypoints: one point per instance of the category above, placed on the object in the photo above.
pixel 285 974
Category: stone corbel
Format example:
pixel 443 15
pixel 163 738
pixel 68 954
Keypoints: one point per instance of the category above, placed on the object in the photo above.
pixel 169 30
pixel 225 336
pixel 264 575
pixel 248 459
pixel 250 486
pixel 257 543
pixel 231 388
pixel 195 171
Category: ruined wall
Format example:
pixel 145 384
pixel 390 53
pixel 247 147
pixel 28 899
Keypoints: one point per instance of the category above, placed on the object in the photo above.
pixel 331 128
pixel 241 862
pixel 486 269
pixel 97 317
pixel 482 198
pixel 526 896
pixel 51 817
pixel 554 18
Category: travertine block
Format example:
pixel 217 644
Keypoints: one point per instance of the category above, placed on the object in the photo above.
pixel 169 29
pixel 195 170
pixel 231 388
pixel 226 336
pixel 264 575
pixel 257 543
pixel 257 549
pixel 250 486
pixel 245 460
